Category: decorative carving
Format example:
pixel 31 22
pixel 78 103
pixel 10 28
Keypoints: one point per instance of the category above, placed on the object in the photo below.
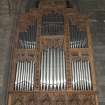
pixel 88 100
pixel 18 102
pixel 60 100
pixel 82 100
pixel 31 100
pixel 45 100
pixel 74 100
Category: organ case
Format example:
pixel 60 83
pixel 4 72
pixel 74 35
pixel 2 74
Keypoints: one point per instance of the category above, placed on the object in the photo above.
pixel 52 59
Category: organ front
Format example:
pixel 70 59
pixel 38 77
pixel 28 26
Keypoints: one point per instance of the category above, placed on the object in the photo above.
pixel 52 58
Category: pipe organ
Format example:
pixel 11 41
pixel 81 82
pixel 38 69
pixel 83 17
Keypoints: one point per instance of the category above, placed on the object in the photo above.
pixel 52 58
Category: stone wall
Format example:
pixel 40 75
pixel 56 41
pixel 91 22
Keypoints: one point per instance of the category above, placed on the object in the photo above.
pixel 99 57
pixel 5 32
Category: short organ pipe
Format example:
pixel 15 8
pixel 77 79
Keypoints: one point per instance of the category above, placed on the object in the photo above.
pixel 78 38
pixel 24 76
pixel 81 74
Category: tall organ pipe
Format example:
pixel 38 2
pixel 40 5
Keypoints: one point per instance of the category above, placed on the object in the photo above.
pixel 53 69
pixel 55 62
pixel 58 68
pixel 48 69
pixel 64 69
pixel 42 73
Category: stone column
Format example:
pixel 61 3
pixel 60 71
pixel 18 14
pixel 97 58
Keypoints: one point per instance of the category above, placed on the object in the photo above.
pixel 5 32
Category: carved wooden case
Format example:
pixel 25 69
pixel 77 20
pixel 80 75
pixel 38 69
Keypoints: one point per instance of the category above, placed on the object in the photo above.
pixel 52 59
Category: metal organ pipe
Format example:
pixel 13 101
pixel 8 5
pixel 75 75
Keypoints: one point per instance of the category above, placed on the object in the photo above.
pixel 55 61
pixel 81 74
pixel 61 68
pixel 42 73
pixel 58 69
pixel 32 75
pixel 64 70
pixel 44 69
pixel 53 70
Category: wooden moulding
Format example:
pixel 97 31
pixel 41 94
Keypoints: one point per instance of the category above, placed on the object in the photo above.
pixel 91 56
pixel 66 48
pixel 40 97
pixel 51 42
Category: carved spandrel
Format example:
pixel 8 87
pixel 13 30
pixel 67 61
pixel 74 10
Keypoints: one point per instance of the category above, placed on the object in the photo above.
pixel 48 42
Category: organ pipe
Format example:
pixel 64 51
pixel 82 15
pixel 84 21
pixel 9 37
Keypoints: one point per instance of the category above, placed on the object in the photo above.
pixel 55 62
pixel 58 69
pixel 81 74
pixel 24 76
pixel 53 69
